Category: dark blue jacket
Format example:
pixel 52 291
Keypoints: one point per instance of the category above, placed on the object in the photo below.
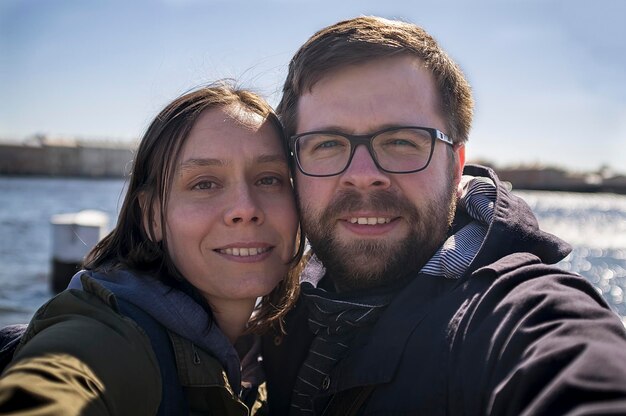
pixel 514 336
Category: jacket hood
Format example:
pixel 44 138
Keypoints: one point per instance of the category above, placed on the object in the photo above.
pixel 514 228
pixel 173 309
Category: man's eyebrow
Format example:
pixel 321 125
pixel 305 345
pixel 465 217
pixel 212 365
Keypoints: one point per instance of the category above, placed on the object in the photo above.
pixel 334 128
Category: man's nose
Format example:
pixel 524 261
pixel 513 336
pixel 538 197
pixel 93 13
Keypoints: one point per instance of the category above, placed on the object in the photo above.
pixel 362 173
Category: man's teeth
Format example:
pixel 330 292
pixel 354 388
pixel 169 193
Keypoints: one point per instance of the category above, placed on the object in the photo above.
pixel 369 220
pixel 243 252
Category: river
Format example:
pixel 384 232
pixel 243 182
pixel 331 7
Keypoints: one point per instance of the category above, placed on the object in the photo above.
pixel 595 225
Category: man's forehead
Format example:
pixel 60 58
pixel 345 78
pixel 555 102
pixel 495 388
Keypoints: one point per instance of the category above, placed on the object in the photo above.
pixel 311 79
pixel 381 92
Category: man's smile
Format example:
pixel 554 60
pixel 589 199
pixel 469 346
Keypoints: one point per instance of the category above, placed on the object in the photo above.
pixel 369 220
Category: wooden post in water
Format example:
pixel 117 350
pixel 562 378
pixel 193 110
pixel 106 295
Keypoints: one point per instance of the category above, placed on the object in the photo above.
pixel 73 235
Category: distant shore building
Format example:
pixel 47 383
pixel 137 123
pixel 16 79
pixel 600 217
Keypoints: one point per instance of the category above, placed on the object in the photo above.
pixel 545 178
pixel 43 156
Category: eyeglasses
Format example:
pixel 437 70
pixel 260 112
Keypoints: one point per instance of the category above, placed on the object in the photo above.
pixel 403 149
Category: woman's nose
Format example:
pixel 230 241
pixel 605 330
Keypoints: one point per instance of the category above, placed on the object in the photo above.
pixel 244 208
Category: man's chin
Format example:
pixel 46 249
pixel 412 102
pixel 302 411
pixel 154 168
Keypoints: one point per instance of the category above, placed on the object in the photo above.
pixel 361 265
pixel 369 246
pixel 365 279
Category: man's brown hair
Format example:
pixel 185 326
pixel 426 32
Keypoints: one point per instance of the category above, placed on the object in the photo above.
pixel 364 39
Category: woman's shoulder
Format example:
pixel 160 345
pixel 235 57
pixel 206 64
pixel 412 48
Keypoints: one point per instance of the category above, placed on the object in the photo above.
pixel 103 353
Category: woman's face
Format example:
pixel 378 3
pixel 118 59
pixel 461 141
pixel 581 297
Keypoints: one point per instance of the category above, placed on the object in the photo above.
pixel 231 217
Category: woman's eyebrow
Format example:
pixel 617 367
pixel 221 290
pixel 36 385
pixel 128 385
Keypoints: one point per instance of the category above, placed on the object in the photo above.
pixel 271 158
pixel 194 163
pixel 206 162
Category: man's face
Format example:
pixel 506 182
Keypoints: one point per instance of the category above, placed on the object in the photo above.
pixel 369 227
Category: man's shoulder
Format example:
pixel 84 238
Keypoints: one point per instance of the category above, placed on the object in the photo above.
pixel 525 274
pixel 520 292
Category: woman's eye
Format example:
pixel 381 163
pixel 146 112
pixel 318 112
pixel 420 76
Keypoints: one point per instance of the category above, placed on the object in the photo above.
pixel 269 180
pixel 205 185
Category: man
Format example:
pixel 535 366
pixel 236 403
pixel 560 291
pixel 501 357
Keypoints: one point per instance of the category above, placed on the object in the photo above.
pixel 431 289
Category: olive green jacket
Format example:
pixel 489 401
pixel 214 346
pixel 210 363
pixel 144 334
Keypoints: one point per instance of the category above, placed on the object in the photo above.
pixel 81 356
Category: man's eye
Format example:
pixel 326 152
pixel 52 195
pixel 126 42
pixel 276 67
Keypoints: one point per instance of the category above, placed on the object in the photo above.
pixel 401 142
pixel 327 144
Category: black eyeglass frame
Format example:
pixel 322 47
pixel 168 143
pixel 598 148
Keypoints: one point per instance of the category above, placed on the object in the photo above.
pixel 366 139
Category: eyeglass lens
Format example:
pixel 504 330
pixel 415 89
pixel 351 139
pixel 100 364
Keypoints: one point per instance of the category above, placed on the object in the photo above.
pixel 400 150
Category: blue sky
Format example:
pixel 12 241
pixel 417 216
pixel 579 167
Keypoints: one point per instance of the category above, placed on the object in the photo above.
pixel 549 77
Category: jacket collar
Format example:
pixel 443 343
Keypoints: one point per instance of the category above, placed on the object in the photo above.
pixel 389 336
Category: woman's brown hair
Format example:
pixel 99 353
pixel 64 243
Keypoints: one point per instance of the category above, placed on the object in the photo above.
pixel 130 245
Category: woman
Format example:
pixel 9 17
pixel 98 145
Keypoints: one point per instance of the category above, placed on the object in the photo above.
pixel 156 322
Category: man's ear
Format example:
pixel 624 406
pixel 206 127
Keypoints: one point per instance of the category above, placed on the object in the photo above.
pixel 156 218
pixel 460 161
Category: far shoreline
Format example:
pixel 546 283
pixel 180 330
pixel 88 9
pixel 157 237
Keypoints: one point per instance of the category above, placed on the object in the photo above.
pixel 47 157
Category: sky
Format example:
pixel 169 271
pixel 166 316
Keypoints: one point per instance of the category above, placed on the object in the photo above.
pixel 549 77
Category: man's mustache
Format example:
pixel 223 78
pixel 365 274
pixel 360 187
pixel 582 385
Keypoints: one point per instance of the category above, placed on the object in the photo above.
pixel 381 201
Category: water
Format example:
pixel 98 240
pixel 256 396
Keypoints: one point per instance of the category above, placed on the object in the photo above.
pixel 26 206
pixel 595 224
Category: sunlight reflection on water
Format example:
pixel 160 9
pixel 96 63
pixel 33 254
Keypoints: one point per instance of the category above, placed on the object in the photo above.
pixel 595 226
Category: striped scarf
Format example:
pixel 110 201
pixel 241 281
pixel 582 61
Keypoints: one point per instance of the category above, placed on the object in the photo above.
pixel 335 318
pixel 458 251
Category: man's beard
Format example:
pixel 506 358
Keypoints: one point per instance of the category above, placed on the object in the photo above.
pixel 367 263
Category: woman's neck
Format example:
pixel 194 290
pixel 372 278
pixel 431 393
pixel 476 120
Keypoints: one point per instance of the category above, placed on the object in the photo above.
pixel 232 316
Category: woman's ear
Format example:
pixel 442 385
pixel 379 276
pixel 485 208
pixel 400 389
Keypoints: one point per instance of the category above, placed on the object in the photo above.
pixel 153 230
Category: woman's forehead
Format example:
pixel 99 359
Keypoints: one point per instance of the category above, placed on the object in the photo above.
pixel 227 132
pixel 243 116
